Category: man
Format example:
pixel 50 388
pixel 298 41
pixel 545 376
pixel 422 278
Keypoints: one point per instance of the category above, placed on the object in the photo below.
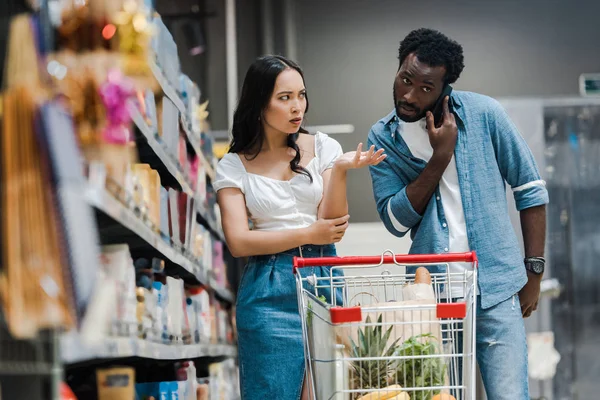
pixel 445 183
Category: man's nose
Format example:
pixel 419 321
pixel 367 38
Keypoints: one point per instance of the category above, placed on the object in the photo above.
pixel 409 96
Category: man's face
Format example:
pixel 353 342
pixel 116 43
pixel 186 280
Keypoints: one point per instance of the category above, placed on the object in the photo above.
pixel 416 88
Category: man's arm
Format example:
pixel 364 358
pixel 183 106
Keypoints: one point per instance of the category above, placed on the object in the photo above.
pixel 389 190
pixel 519 169
pixel 533 226
pixel 400 205
pixel 419 192
pixel 443 141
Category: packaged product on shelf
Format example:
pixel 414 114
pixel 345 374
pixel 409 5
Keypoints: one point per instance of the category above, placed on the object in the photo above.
pixel 186 378
pixel 208 248
pixel 223 381
pixel 155 189
pixel 211 202
pixel 222 323
pixel 202 391
pixel 162 308
pixel 116 261
pixel 174 229
pixel 169 126
pixel 199 179
pixel 198 301
pixel 147 300
pixel 146 310
pixel 176 314
pixel 218 263
pixel 187 212
pixel 117 383
pixel 204 316
pixel 148 197
pixel 158 390
pixel 214 321
pixel 190 92
pixel 182 156
pixel 164 215
pixel 161 294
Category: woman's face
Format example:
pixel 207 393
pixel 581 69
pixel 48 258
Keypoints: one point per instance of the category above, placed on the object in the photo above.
pixel 287 106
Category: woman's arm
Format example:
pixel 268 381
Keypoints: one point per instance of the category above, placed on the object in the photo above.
pixel 335 200
pixel 243 242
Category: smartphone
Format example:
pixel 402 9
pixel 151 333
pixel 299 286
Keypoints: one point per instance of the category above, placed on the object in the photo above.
pixel 438 108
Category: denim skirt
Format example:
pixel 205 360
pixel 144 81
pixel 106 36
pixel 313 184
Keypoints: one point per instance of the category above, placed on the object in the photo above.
pixel 270 344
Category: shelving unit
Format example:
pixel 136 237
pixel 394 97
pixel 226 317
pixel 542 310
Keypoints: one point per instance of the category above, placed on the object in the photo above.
pixel 73 351
pixel 165 160
pixel 173 95
pixel 136 229
pixel 123 220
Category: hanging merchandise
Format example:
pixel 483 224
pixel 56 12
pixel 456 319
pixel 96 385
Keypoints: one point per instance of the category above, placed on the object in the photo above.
pixel 134 32
pixel 36 290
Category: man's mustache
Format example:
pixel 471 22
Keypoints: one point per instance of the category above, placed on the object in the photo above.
pixel 406 105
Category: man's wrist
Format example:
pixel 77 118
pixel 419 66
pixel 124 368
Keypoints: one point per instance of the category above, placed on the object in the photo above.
pixel 441 158
pixel 535 265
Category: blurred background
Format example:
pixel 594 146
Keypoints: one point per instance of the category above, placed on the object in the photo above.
pixel 540 59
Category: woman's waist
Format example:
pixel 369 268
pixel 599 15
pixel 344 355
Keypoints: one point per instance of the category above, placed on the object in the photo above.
pixel 306 251
pixel 287 222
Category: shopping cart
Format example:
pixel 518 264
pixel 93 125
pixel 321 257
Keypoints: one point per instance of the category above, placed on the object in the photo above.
pixel 371 332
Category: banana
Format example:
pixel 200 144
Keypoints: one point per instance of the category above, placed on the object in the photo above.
pixel 390 393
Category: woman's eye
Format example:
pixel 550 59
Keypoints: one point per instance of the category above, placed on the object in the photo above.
pixel 406 81
pixel 284 97
pixel 302 95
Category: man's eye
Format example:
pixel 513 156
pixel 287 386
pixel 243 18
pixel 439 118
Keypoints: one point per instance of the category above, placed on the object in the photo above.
pixel 406 81
pixel 426 89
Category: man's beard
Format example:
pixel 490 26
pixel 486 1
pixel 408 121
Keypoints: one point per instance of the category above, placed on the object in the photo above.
pixel 419 114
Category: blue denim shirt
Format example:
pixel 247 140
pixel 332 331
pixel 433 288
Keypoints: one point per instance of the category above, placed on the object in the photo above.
pixel 489 153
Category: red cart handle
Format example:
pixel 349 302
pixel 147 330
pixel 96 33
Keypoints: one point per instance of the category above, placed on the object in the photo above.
pixel 300 262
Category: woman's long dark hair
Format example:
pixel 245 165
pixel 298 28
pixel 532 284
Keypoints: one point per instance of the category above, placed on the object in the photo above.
pixel 259 83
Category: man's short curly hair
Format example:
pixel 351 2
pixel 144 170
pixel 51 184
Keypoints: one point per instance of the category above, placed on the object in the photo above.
pixel 435 49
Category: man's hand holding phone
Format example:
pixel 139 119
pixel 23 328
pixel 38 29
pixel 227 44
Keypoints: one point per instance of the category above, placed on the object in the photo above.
pixel 442 138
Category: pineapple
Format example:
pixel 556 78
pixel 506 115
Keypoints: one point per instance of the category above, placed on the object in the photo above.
pixel 373 342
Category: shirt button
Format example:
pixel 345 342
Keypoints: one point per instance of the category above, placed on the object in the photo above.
pixel 437 197
pixel 310 249
pixel 273 257
pixel 444 225
pixel 446 249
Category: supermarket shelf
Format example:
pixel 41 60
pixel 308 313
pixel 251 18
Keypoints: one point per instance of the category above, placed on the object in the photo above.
pixel 172 167
pixel 108 204
pixel 73 350
pixel 159 149
pixel 172 94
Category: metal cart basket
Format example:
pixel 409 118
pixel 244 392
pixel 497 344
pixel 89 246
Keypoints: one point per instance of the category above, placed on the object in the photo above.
pixel 380 327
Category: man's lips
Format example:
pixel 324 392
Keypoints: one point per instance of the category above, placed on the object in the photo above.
pixel 409 110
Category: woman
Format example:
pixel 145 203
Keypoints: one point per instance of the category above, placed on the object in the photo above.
pixel 292 186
